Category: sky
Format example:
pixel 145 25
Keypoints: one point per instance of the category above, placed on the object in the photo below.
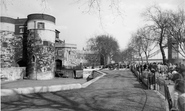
pixel 77 25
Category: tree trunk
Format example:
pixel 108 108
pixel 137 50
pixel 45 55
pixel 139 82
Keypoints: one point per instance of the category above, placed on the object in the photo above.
pixel 161 47
pixel 141 58
pixel 146 57
pixel 163 54
pixel 105 60
pixel 102 60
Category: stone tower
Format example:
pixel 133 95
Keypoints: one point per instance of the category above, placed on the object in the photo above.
pixel 40 46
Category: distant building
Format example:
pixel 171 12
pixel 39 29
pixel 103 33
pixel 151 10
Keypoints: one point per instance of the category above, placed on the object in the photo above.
pixel 171 52
pixel 174 52
pixel 66 55
pixel 154 56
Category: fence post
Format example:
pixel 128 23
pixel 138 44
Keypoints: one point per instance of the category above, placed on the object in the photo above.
pixel 168 97
pixel 154 81
pixel 148 83
pixel 157 84
pixel 175 106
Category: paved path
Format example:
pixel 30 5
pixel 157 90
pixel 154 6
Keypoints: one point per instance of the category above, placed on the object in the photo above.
pixel 117 91
pixel 33 83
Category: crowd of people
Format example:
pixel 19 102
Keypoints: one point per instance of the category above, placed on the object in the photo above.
pixel 172 72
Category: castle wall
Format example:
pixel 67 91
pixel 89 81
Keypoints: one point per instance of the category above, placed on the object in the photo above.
pixel 11 51
pixel 7 27
pixel 68 55
pixel 7 42
pixel 70 58
pixel 18 47
pixel 7 49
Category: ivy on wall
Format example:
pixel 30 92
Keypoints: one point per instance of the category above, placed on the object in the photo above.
pixel 7 53
pixel 44 54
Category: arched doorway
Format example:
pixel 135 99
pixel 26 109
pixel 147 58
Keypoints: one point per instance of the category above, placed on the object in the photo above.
pixel 58 63
pixel 58 68
pixel 21 63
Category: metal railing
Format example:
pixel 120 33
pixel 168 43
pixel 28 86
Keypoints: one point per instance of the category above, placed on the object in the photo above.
pixel 162 88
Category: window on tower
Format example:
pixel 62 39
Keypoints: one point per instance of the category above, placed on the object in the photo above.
pixel 41 25
pixel 33 58
pixel 21 29
pixel 45 43
pixel 4 44
pixel 57 33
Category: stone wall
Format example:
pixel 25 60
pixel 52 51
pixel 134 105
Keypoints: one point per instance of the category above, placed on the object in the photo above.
pixel 44 75
pixel 13 73
pixel 11 49
pixel 71 58
pixel 68 56
pixel 18 47
pixel 7 49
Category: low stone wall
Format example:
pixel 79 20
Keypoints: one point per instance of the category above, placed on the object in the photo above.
pixel 13 73
pixel 44 75
pixel 68 73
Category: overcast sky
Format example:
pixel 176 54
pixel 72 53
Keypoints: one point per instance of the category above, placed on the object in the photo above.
pixel 77 26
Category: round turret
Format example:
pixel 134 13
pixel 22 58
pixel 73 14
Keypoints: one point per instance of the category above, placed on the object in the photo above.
pixel 40 46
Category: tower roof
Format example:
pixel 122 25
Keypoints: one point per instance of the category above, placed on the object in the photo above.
pixel 40 16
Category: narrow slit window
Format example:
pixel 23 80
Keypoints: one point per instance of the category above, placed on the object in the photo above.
pixel 45 43
pixel 33 58
pixel 4 44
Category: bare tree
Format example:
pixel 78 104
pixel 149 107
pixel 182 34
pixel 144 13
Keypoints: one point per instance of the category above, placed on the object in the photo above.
pixel 136 44
pixel 4 4
pixel 143 42
pixel 159 23
pixel 100 6
pixel 147 38
pixel 128 54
